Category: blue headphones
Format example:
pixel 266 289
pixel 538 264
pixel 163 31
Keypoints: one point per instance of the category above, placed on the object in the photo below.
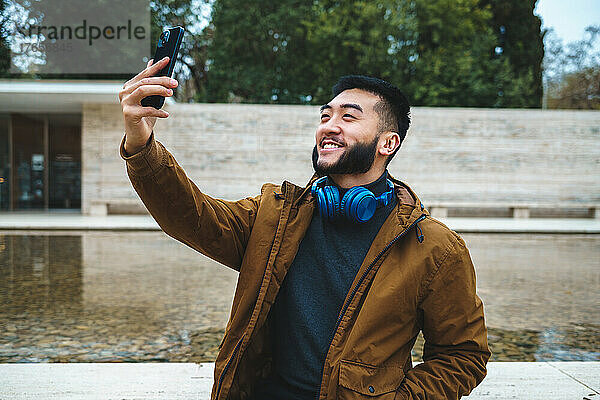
pixel 357 205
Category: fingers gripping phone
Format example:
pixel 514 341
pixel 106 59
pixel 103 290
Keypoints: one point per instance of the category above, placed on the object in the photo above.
pixel 168 46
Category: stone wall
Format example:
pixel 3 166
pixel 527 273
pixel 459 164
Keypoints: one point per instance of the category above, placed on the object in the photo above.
pixel 451 155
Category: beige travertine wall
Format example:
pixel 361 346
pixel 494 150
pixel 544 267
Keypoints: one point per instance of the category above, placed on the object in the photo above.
pixel 451 155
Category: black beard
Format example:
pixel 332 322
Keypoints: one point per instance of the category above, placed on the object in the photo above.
pixel 357 159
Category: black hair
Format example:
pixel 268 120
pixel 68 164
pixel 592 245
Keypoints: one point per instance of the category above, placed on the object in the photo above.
pixel 393 109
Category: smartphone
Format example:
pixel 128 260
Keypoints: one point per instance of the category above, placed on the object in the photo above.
pixel 168 45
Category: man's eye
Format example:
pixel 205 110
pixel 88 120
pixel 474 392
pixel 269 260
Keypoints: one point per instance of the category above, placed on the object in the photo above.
pixel 323 116
pixel 349 115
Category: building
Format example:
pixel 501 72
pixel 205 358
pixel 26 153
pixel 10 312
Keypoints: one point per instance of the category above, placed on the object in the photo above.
pixel 59 151
pixel 40 141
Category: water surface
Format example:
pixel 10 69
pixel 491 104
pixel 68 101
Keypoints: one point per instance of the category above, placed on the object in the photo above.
pixel 141 296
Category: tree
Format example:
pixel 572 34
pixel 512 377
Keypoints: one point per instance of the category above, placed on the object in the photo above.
pixel 572 73
pixel 191 67
pixel 453 63
pixel 580 90
pixel 258 52
pixel 520 40
pixel 439 52
pixel 357 37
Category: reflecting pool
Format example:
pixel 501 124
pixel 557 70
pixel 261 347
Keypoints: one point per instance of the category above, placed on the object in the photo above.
pixel 141 296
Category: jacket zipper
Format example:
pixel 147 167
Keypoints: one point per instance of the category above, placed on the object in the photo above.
pixel 237 346
pixel 235 350
pixel 364 275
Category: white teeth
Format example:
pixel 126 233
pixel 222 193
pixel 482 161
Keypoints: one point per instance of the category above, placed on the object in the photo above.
pixel 331 146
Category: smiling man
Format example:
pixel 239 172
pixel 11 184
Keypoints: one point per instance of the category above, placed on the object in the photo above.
pixel 349 158
pixel 336 278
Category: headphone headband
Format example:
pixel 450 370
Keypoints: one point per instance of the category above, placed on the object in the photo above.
pixel 358 204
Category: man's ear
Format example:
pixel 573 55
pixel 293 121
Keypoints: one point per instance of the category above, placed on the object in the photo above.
pixel 389 142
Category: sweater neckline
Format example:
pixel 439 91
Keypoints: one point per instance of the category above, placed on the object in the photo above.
pixel 377 187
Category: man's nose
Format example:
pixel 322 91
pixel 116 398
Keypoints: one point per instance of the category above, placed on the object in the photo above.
pixel 332 127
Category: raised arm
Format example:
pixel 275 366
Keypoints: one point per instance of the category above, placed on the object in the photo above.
pixel 217 228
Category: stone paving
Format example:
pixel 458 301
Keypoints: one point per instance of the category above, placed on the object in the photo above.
pixel 183 381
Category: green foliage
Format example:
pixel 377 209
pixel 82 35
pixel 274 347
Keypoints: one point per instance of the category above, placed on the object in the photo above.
pixel 259 51
pixel 454 64
pixel 518 32
pixel 190 69
pixel 457 64
pixel 356 37
pixel 439 52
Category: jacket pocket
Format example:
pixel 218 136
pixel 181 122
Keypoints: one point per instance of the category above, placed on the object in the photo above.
pixel 363 381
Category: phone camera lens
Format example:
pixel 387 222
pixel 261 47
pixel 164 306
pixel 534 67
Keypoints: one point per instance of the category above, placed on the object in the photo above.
pixel 162 40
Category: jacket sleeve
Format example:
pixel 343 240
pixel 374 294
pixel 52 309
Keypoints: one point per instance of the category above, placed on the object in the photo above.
pixel 456 349
pixel 217 228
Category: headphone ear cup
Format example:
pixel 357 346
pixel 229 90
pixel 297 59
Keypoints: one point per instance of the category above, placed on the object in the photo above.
pixel 359 204
pixel 346 203
pixel 321 202
pixel 332 195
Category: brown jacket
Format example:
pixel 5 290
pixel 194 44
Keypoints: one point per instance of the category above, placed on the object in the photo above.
pixel 406 283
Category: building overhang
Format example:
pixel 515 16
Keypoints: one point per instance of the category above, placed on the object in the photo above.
pixel 54 96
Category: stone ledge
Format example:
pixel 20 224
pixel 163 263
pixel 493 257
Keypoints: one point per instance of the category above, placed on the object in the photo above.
pixel 25 221
pixel 123 381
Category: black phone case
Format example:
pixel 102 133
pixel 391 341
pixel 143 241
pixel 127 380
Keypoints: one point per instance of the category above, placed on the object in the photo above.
pixel 168 45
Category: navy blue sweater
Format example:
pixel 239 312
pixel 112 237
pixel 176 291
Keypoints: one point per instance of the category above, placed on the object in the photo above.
pixel 306 309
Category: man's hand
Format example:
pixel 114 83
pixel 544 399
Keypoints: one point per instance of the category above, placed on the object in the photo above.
pixel 139 120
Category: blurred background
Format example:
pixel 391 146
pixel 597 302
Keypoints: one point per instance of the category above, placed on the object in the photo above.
pixel 503 147
pixel 468 53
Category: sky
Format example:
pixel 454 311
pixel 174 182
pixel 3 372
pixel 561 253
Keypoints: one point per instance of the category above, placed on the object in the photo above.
pixel 569 18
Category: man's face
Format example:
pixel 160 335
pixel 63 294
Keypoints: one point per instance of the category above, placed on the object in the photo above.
pixel 347 135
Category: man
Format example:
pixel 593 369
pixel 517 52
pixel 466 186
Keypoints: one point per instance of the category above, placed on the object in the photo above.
pixel 337 278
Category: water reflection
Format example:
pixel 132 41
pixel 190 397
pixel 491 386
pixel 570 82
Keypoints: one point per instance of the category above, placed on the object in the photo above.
pixel 98 297
pixel 40 274
pixel 106 296
pixel 574 343
pixel 534 281
pixel 540 294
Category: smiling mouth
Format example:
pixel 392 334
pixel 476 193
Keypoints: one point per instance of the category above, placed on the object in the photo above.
pixel 330 145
